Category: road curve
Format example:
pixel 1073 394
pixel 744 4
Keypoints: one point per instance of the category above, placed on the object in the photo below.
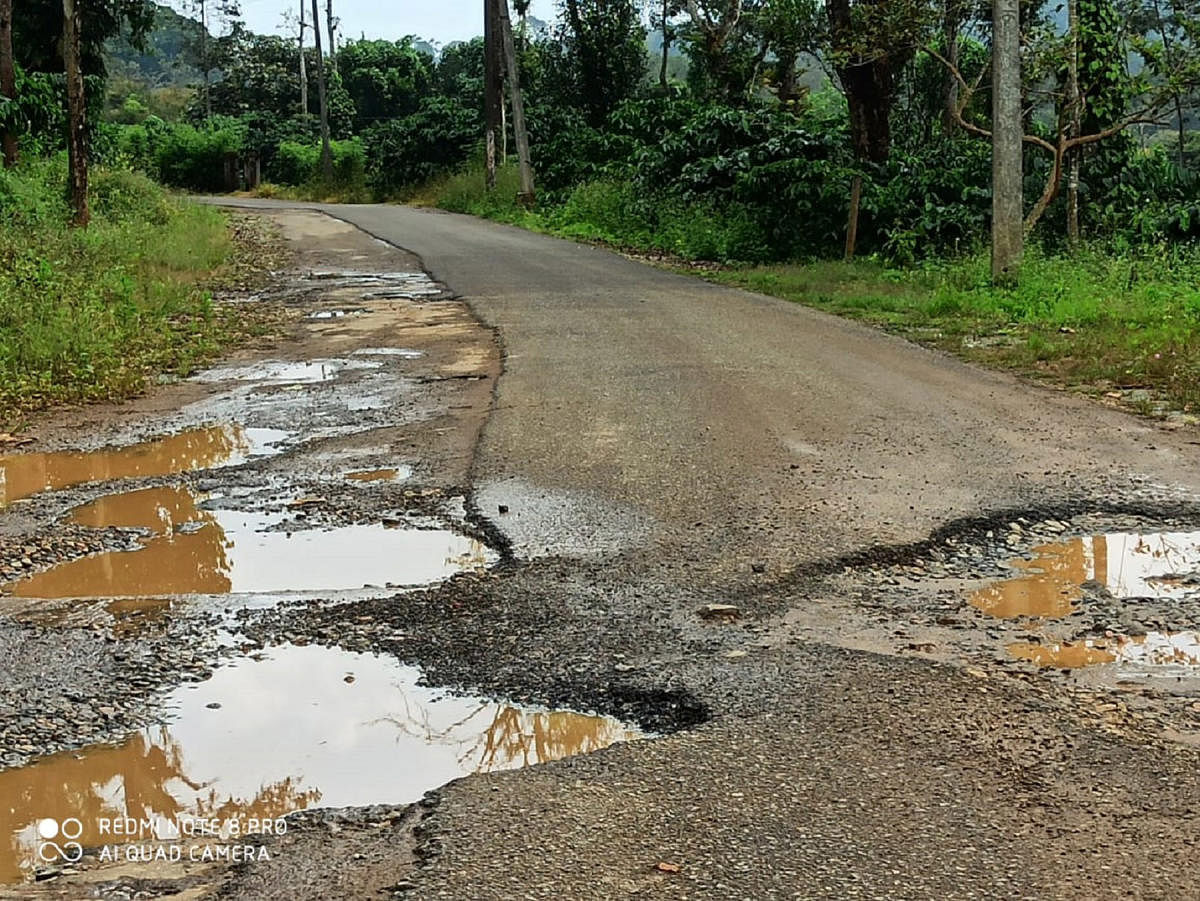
pixel 703 434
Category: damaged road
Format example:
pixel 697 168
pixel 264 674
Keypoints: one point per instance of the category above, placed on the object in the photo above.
pixel 748 555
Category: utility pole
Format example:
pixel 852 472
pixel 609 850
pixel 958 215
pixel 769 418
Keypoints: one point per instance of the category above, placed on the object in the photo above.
pixel 518 108
pixel 331 27
pixel 1007 134
pixel 8 77
pixel 326 150
pixel 76 118
pixel 303 71
pixel 492 100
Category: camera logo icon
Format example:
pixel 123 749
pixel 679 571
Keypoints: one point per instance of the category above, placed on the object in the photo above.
pixel 51 832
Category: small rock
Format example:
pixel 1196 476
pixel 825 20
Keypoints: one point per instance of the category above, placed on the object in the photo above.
pixel 719 611
pixel 215 705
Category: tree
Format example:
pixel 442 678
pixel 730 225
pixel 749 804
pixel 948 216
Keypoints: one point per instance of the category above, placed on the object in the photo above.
pixel 38 31
pixel 606 48
pixel 869 44
pixel 1007 129
pixel 386 79
pixel 76 116
pixel 662 19
pixel 8 79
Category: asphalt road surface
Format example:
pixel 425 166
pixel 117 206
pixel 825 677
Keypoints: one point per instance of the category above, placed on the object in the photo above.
pixel 676 440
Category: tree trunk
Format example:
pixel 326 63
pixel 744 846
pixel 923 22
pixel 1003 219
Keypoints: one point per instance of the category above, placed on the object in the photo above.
pixel 322 97
pixel 1074 101
pixel 492 87
pixel 76 118
pixel 785 69
pixel 204 57
pixel 518 108
pixel 8 77
pixel 950 24
pixel 332 29
pixel 303 67
pixel 870 88
pixel 1007 134
pixel 666 47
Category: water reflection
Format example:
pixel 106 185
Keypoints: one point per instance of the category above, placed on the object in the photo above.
pixel 1153 565
pixel 192 550
pixel 307 725
pixel 23 475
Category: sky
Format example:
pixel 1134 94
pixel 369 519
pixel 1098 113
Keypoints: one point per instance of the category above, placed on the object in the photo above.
pixel 439 21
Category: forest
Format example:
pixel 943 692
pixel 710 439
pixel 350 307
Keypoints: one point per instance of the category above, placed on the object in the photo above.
pixel 756 141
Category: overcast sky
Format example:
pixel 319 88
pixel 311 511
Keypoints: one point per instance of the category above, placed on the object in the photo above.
pixel 440 21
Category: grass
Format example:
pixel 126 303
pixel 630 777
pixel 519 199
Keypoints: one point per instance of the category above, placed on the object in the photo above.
pixel 1122 325
pixel 96 314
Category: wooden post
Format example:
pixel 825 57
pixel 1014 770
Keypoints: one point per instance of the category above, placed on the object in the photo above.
pixel 852 219
pixel 1007 134
pixel 8 77
pixel 326 150
pixel 76 118
pixel 518 109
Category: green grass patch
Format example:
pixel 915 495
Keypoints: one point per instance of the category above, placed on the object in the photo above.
pixel 1094 321
pixel 94 314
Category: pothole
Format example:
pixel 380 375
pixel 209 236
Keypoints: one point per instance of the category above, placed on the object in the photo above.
pixel 1152 651
pixel 299 728
pixel 402 352
pixel 1162 565
pixel 1141 580
pixel 302 371
pixel 24 475
pixel 189 549
pixel 380 475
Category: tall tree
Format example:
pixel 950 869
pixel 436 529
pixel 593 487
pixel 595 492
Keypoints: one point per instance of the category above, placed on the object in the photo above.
pixel 870 42
pixel 76 116
pixel 606 45
pixel 1007 131
pixel 8 77
pixel 323 98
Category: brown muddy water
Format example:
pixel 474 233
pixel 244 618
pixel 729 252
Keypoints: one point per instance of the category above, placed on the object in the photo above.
pixel 24 475
pixel 302 727
pixel 193 550
pixel 1128 565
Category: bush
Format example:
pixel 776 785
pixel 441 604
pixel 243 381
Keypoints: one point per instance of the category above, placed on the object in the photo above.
pixel 119 195
pixel 194 158
pixel 412 150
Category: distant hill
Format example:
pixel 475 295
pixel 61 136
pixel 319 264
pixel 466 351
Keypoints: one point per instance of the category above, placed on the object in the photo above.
pixel 164 62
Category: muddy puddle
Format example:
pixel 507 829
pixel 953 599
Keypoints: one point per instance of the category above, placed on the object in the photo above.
pixel 302 727
pixel 189 548
pixel 380 475
pixel 1162 566
pixel 1155 653
pixel 24 475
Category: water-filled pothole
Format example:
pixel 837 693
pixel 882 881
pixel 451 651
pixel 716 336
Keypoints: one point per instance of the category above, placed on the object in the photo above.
pixel 301 371
pixel 303 727
pixel 1174 651
pixel 194 550
pixel 24 475
pixel 380 475
pixel 1163 565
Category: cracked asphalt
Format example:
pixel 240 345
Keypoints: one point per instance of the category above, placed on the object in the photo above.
pixel 657 443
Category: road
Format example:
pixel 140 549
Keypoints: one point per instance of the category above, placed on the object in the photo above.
pixel 657 442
